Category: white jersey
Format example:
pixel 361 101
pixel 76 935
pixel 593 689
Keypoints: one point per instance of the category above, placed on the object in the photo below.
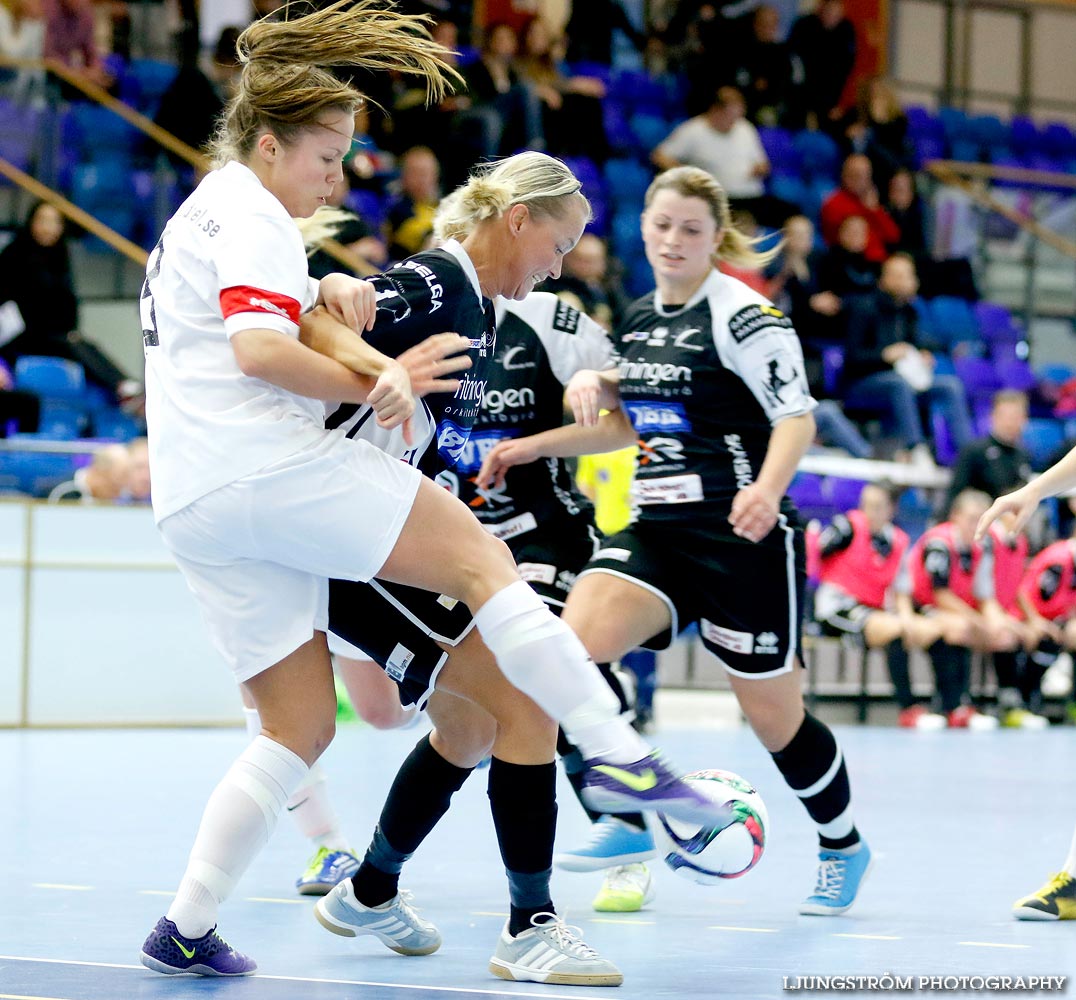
pixel 230 259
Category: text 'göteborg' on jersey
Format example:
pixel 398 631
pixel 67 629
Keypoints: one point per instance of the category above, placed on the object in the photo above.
pixel 703 384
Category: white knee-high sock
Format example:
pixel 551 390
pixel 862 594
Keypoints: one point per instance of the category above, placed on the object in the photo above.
pixel 309 804
pixel 238 819
pixel 544 658
pixel 1070 861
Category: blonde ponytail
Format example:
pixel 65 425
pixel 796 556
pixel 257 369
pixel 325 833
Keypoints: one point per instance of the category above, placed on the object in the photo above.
pixel 285 85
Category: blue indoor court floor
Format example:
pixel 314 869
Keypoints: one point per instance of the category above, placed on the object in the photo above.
pixel 95 827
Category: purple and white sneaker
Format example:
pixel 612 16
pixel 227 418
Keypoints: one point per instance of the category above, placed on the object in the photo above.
pixel 649 785
pixel 168 951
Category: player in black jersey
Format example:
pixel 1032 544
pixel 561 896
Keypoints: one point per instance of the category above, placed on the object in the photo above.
pixel 710 382
pixel 516 219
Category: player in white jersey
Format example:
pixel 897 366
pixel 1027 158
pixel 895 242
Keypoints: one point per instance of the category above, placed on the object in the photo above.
pixel 260 503
pixel 711 376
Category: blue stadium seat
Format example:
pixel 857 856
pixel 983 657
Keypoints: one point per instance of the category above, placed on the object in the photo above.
pixel 1015 373
pixel 819 153
pixel 649 129
pixel 50 378
pixel 953 319
pixel 99 134
pixel 627 181
pixel 145 82
pixel 923 122
pixel 113 424
pixel 783 155
pixel 1042 437
pixel 1059 140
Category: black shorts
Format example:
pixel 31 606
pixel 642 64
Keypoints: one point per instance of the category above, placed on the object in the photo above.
pixel 404 629
pixel 747 598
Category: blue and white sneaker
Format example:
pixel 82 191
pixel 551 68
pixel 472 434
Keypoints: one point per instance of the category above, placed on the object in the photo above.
pixel 612 843
pixel 169 952
pixel 325 870
pixel 840 875
pixel 394 922
pixel 649 785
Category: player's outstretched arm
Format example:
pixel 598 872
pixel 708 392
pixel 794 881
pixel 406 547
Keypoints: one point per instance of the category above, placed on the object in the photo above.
pixel 612 432
pixel 1021 504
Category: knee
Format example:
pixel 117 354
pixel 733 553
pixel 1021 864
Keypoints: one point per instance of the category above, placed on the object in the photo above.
pixel 489 568
pixel 382 715
pixel 465 746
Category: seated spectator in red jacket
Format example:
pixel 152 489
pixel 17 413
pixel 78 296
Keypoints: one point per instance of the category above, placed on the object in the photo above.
pixel 857 195
pixel 861 554
pixel 1047 596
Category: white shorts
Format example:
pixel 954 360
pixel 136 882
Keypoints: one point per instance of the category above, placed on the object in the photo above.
pixel 257 554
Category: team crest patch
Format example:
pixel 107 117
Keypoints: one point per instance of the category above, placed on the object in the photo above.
pixel 749 320
pixel 565 318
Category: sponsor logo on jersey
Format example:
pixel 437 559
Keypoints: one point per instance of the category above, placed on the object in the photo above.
pixel 448 481
pixel 749 320
pixel 727 638
pixel 389 300
pixel 766 643
pixel 537 572
pixel 667 489
pixel 565 317
pixel 648 417
pixel 659 450
pixel 451 440
pixel 496 401
pixel 654 373
pixel 398 661
pixel 741 464
pixel 627 338
pixel 685 339
pixel 432 283
pixel 777 375
pixel 513 527
pixel 509 362
pixel 566 580
pixel 477 446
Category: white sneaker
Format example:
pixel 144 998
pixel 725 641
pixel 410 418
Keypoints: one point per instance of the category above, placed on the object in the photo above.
pixel 1057 681
pixel 551 952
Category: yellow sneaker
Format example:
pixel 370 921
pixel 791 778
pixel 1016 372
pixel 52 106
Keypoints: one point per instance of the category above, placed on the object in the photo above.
pixel 1021 718
pixel 626 889
pixel 1054 901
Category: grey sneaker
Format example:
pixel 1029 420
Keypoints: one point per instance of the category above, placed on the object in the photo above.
pixel 551 952
pixel 394 922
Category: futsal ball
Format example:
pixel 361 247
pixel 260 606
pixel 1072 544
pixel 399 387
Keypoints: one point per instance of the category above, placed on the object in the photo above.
pixel 707 855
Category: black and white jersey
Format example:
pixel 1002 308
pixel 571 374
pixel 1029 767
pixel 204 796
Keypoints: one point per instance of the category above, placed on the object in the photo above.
pixel 435 291
pixel 703 383
pixel 541 342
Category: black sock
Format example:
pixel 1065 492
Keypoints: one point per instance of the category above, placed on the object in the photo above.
pixel 952 670
pixel 419 797
pixel 897 660
pixel 523 802
pixel 813 766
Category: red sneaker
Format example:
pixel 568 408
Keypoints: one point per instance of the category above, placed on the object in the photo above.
pixel 966 717
pixel 920 717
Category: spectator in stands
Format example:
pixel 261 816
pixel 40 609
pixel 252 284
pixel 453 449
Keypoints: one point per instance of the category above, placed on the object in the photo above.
pixel 857 195
pixel 191 105
pixel 586 274
pixel 727 146
pixel 764 69
pixel 845 269
pixel 889 363
pixel 590 31
pixel 365 248
pixel 572 118
pixel 795 287
pixel 877 127
pixel 105 478
pixel 137 489
pixel 906 209
pixel 824 42
pixel 948 573
pixel 996 464
pixel 35 273
pixel 410 214
pixel 69 38
pixel 22 36
pixel 511 110
pixel 19 410
pixel 861 554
